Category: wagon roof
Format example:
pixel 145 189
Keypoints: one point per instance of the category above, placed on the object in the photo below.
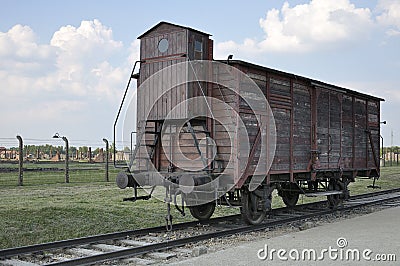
pixel 173 25
pixel 311 81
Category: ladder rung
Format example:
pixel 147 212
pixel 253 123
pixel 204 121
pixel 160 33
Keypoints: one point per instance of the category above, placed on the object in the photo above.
pixel 201 131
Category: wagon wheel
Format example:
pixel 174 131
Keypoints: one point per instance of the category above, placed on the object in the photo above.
pixel 202 212
pixel 290 196
pixel 336 199
pixel 251 213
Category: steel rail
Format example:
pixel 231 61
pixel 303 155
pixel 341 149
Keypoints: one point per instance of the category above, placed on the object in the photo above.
pixel 104 237
pixel 131 252
pixel 7 253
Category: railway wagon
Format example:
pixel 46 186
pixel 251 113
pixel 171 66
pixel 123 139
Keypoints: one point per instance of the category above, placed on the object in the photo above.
pixel 230 132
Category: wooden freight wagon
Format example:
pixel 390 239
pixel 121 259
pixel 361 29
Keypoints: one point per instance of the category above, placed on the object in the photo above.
pixel 208 131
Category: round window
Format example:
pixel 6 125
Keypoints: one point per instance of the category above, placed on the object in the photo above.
pixel 163 45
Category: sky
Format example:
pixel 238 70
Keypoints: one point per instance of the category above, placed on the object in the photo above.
pixel 64 65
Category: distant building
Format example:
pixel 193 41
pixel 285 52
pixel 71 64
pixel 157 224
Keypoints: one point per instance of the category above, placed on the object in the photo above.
pixel 3 152
pixel 56 158
pixel 100 157
pixel 8 154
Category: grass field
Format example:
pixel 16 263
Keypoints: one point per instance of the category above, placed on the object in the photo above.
pixel 46 209
pixel 49 164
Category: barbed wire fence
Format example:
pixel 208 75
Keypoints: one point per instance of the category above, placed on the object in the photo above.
pixel 43 161
pixel 32 161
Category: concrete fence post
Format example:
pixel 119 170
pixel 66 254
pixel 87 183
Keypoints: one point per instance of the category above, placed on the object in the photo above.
pixel 107 159
pixel 57 136
pixel 66 159
pixel 21 161
pixel 90 154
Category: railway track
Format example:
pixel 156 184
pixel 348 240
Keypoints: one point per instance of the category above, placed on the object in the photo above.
pixel 158 244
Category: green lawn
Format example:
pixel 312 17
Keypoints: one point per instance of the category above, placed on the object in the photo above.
pixel 50 164
pixel 46 209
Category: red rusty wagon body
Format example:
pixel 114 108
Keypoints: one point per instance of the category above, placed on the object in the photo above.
pixel 202 124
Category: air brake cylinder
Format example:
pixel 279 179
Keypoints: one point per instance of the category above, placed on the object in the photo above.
pixel 125 180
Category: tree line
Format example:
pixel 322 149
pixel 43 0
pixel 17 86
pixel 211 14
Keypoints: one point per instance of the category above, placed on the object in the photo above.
pixel 52 150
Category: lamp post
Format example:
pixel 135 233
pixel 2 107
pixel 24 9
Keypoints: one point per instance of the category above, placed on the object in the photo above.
pixel 57 136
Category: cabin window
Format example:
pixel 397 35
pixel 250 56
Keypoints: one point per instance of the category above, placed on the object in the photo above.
pixel 198 46
pixel 163 45
pixel 198 50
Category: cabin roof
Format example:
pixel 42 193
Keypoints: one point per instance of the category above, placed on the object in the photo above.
pixel 171 24
pixel 311 81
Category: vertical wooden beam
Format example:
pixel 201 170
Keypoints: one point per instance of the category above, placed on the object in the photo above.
pixel 314 145
pixel 291 148
pixel 367 130
pixel 267 95
pixel 354 133
pixel 329 129
pixel 311 93
pixel 379 135
pixel 314 98
pixel 341 131
pixel 209 121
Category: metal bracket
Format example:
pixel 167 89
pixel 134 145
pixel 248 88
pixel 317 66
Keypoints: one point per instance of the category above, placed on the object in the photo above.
pixel 373 184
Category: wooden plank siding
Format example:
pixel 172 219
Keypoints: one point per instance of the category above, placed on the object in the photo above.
pixel 181 48
pixel 156 100
pixel 341 121
pixel 339 127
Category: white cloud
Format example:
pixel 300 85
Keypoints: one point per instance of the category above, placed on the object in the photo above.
pixel 77 61
pixel 392 32
pixel 65 83
pixel 307 27
pixel 390 16
pixel 54 110
pixel 83 60
pixel 21 55
pixel 86 45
